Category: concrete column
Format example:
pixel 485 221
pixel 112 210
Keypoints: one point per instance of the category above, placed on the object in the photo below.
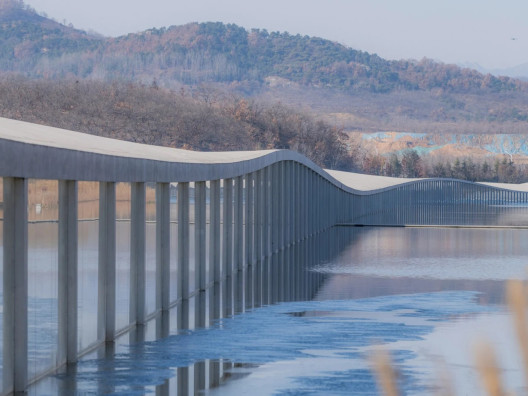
pixel 290 188
pixel 283 214
pixel 275 231
pixel 303 176
pixel 107 262
pixel 215 261
pixel 266 232
pixel 259 213
pixel 68 241
pixel 311 194
pixel 239 244
pixel 282 205
pixel 200 274
pixel 162 246
pixel 183 240
pixel 248 239
pixel 183 253
pixel 275 207
pixel 15 315
pixel 137 253
pixel 238 249
pixel 297 201
pixel 249 220
pixel 227 248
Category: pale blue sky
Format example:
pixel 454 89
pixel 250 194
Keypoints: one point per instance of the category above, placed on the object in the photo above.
pixel 451 31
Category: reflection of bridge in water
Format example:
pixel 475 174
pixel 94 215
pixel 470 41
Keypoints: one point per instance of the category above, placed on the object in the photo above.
pixel 243 233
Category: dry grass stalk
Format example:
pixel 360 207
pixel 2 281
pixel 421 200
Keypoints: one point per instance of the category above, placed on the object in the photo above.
pixel 488 369
pixel 445 380
pixel 385 373
pixel 516 293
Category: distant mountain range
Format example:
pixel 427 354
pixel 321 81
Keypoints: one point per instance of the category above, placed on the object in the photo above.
pixel 214 52
pixel 355 89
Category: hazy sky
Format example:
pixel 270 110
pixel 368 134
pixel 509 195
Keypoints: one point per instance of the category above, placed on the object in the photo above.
pixel 491 33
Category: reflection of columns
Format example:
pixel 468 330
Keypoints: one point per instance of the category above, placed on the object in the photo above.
pixel 214 373
pixel 215 268
pixel 183 253
pixel 199 377
pixel 104 363
pixel 15 314
pixel 163 389
pixel 183 381
pixel 68 240
pixel 200 275
pixel 162 246
pixel 137 254
pixel 107 262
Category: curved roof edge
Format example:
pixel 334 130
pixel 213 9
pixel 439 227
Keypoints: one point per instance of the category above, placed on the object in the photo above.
pixel 373 184
pixel 42 152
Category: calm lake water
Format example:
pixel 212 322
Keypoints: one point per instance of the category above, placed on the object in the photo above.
pixel 426 294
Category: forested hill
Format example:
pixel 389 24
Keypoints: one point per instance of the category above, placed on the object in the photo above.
pixel 36 46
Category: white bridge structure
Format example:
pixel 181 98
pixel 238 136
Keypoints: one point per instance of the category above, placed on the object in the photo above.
pixel 233 213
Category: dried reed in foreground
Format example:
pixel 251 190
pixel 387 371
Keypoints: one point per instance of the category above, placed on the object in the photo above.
pixel 487 367
pixel 385 372
pixel 517 297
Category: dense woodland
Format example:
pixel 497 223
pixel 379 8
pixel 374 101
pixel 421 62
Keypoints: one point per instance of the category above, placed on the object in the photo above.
pixel 191 120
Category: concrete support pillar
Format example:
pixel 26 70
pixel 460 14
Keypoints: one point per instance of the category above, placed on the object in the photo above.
pixel 238 249
pixel 249 262
pixel 275 207
pixel 68 241
pixel 283 205
pixel 183 253
pixel 200 274
pixel 281 195
pixel 239 244
pixel 297 201
pixel 137 253
pixel 215 260
pixel 162 246
pixel 268 229
pixel 259 214
pixel 183 240
pixel 15 314
pixel 290 200
pixel 107 262
pixel 227 248
pixel 303 199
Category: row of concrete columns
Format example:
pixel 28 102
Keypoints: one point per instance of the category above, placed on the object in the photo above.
pixel 434 202
pixel 255 220
pixel 260 215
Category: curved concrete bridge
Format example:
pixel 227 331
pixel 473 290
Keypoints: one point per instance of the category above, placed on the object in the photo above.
pixel 258 204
